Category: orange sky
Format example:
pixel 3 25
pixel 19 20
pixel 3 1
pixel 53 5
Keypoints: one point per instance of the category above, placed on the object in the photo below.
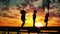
pixel 13 18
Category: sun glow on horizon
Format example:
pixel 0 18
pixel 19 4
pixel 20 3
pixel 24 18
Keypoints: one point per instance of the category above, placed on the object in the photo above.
pixel 39 24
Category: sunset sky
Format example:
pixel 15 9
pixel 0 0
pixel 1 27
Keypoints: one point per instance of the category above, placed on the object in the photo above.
pixel 12 17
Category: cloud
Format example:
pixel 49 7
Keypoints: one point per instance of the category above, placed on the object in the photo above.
pixel 11 13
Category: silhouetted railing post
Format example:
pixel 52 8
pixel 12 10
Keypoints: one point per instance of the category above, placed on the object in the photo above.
pixel 28 32
pixel 8 31
pixel 17 32
pixel 4 32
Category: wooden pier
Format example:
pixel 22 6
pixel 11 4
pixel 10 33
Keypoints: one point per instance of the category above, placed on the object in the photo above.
pixel 30 29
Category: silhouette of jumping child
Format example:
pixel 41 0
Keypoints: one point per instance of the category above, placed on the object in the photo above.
pixel 34 17
pixel 46 19
pixel 47 14
pixel 23 17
